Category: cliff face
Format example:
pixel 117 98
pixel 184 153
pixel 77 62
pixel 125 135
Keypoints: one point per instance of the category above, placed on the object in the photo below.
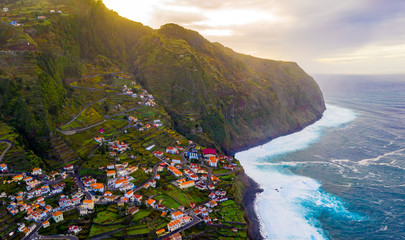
pixel 210 90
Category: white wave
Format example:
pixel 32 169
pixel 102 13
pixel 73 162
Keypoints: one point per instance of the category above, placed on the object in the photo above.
pixel 279 207
pixel 333 117
pixel 388 165
pixel 367 161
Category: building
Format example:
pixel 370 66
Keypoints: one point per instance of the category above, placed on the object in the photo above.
pixel 192 155
pixel 3 167
pixel 74 229
pixel 211 204
pixel 41 17
pixel 129 194
pixel 174 225
pixel 186 184
pixel 138 198
pixel 119 183
pixel 176 236
pixel 213 161
pixel 176 161
pixel 111 173
pixel 76 201
pixel 36 171
pixel 88 204
pixel 58 216
pixel 177 215
pixel 68 167
pixel 18 178
pixel 132 119
pixel 152 183
pixel 133 210
pixel 172 150
pixel 160 232
pixel 194 177
pixel 65 202
pixel 158 153
pixel 208 152
pixel 99 139
pixel 5 9
pixel 46 224
pixel 98 187
pixel 151 202
pixel 175 171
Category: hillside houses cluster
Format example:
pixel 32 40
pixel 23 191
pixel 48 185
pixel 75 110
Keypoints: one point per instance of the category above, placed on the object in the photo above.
pixel 145 126
pixel 147 99
pixel 33 201
pixel 120 189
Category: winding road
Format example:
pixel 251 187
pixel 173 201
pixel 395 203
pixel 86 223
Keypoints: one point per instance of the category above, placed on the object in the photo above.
pixel 8 142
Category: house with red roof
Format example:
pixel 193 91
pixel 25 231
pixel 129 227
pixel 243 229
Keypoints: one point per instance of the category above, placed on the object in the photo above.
pixel 74 229
pixel 172 150
pixel 68 167
pixel 158 153
pixel 208 152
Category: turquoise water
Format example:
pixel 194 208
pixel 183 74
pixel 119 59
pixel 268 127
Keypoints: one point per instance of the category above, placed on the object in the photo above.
pixel 342 177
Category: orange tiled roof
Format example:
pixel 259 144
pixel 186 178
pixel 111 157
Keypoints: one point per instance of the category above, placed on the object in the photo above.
pixel 178 213
pixel 160 231
pixel 57 213
pixel 97 185
pixel 173 223
pixel 186 183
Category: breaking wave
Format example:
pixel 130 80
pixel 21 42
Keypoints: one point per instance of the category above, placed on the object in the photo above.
pixel 289 205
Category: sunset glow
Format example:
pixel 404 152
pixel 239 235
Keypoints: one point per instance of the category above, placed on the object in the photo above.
pixel 321 38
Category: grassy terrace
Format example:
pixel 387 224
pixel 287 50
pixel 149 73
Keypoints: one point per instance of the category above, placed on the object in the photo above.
pixel 17 158
pixel 83 142
pixel 107 217
pixel 95 229
pixel 230 212
pixel 88 117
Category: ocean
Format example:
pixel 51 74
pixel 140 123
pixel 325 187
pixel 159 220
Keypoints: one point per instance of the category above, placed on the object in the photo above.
pixel 342 177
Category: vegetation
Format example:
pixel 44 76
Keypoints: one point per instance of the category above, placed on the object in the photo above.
pixel 61 82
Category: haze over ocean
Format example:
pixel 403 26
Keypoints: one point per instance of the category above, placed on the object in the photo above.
pixel 342 177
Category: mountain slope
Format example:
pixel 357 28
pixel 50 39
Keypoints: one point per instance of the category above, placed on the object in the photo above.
pixel 208 89
pixel 214 95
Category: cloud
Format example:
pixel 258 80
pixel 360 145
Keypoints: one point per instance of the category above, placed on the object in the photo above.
pixel 321 35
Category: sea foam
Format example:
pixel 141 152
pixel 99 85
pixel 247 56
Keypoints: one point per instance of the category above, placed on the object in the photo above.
pixel 288 206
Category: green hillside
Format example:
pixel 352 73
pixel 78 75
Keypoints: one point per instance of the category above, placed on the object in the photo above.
pixel 210 92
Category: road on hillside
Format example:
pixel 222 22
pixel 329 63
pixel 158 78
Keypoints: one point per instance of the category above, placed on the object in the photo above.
pixel 85 107
pixel 8 142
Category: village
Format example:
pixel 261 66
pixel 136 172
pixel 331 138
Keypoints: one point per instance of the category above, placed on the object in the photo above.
pixel 41 186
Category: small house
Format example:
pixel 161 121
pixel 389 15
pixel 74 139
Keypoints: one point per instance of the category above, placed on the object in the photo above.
pixel 57 216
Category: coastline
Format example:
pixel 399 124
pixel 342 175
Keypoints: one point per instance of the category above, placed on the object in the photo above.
pixel 252 188
pixel 268 139
pixel 247 196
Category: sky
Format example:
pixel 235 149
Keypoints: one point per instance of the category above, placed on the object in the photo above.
pixel 322 36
